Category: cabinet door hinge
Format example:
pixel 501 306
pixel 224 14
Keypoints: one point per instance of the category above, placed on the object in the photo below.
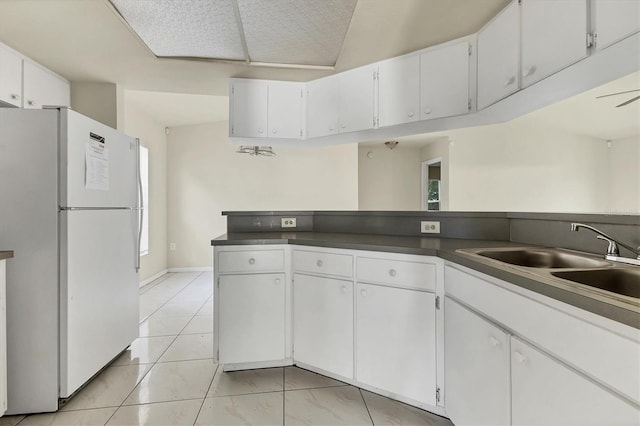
pixel 218 354
pixel 232 130
pixel 300 132
pixel 437 394
pixel 301 94
pixel 218 282
pixel 437 302
pixel 591 39
pixel 470 47
pixel 469 104
pixel 233 89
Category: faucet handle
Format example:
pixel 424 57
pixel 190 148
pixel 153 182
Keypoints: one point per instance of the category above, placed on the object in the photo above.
pixel 612 250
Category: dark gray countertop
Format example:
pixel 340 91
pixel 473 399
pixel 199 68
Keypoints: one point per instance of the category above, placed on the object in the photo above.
pixel 6 254
pixel 626 313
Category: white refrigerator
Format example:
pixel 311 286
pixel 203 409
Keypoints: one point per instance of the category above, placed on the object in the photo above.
pixel 69 193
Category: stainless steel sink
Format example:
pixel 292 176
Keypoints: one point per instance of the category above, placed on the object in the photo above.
pixel 625 281
pixel 543 258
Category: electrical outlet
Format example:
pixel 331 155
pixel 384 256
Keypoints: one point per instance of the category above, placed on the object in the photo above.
pixel 172 246
pixel 288 222
pixel 429 227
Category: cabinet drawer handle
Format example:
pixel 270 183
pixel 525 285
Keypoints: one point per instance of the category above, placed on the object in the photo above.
pixel 331 129
pixel 427 111
pixel 319 263
pixel 252 261
pixel 410 114
pixel 519 357
pixel 494 342
pixel 14 96
pixel 344 126
pixel 31 102
pixel 510 81
pixel 392 272
pixel 343 289
pixel 274 131
pixel 260 131
pixel 277 281
pixel 363 293
pixel 529 71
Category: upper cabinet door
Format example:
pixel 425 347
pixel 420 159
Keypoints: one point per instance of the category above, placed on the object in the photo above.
pixel 249 108
pixel 499 56
pixel 444 81
pixel 356 88
pixel 285 110
pixel 10 77
pixel 322 111
pixel 554 36
pixel 399 91
pixel 613 20
pixel 41 87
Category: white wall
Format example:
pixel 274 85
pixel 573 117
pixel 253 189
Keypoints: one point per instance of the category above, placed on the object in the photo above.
pixel 624 175
pixel 516 166
pixel 206 176
pixel 390 179
pixel 152 135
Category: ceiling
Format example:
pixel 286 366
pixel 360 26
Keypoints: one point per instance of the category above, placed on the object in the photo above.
pixel 87 40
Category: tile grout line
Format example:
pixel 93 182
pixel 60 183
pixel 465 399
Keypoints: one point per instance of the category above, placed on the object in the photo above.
pixel 206 393
pixel 284 404
pixel 175 295
pixel 366 406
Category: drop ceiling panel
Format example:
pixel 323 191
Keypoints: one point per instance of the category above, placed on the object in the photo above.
pixel 185 28
pixel 309 32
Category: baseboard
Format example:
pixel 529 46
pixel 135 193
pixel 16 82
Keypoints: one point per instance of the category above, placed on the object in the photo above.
pixel 192 269
pixel 153 277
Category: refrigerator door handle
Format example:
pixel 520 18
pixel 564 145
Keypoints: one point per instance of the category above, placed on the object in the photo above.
pixel 140 205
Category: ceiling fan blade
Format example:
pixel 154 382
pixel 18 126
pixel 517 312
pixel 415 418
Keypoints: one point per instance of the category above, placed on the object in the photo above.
pixel 618 93
pixel 628 102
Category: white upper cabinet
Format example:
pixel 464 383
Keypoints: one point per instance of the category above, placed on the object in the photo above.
pixel 545 392
pixel 10 77
pixel 322 111
pixel 613 20
pixel 399 90
pixel 356 102
pixel 41 87
pixel 554 36
pixel 249 108
pixel 285 109
pixel 266 109
pixel 444 81
pixel 499 56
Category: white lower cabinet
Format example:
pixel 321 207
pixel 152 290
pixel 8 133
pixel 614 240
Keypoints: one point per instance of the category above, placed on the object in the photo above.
pixel 323 323
pixel 476 368
pixel 395 343
pixel 251 318
pixel 545 392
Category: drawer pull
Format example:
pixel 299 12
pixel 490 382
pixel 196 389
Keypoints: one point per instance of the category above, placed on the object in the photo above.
pixel 31 102
pixel 427 111
pixel 252 261
pixel 410 114
pixel 392 272
pixel 494 342
pixel 519 357
pixel 260 131
pixel 277 281
pixel 343 289
pixel 14 96
pixel 509 81
pixel 363 293
pixel 319 263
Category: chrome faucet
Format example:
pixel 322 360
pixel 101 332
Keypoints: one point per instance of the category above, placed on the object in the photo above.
pixel 613 252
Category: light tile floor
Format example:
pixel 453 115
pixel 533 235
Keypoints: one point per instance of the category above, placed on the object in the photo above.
pixel 168 377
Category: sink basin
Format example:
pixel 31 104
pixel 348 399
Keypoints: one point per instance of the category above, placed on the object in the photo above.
pixel 543 258
pixel 620 281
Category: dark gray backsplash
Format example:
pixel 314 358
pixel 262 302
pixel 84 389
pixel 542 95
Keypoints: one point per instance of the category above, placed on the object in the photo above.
pixel 545 229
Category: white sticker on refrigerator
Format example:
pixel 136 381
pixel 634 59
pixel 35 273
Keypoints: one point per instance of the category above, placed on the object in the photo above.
pixel 96 166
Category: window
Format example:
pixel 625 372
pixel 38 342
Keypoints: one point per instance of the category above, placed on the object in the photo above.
pixel 144 178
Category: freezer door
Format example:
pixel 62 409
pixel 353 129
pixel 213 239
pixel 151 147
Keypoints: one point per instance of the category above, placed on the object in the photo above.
pixel 98 291
pixel 98 164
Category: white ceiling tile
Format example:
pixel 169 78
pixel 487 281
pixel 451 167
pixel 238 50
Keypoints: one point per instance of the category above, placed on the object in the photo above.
pixel 306 32
pixel 188 28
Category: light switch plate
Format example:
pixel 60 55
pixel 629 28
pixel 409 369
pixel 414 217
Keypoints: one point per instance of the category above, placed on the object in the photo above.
pixel 427 227
pixel 288 222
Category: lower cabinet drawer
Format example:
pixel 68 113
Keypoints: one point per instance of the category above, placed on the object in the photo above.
pixel 314 262
pixel 250 261
pixel 397 272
